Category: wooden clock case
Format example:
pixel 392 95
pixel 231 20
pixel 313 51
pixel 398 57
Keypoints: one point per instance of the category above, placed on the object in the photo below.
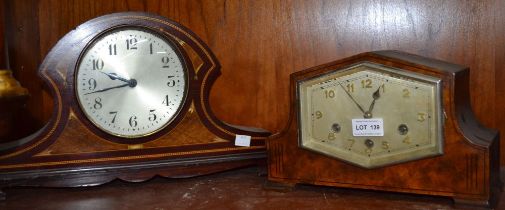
pixel 468 170
pixel 69 151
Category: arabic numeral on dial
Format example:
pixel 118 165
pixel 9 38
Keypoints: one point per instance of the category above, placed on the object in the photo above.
pixel 407 140
pixel 92 84
pixel 385 145
pixel 98 103
pixel 366 83
pixel 98 64
pixel 152 116
pixel 351 143
pixel 131 44
pixel 331 136
pixel 350 87
pixel 368 151
pixel 151 48
pixel 114 114
pixel 406 93
pixel 133 121
pixel 171 82
pixel 166 101
pixel 165 60
pixel 329 93
pixel 318 114
pixel 421 117
pixel 112 49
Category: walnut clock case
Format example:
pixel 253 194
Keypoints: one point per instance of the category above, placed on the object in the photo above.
pixel 391 121
pixel 131 101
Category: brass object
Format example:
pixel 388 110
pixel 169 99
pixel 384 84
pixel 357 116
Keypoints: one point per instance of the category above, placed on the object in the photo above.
pixel 9 86
pixel 12 98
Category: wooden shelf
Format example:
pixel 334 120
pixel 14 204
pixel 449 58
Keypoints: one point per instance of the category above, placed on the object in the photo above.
pixel 237 189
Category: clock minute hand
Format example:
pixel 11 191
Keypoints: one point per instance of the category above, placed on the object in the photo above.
pixel 106 89
pixel 355 102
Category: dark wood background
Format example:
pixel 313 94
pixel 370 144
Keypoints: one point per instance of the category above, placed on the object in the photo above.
pixel 259 43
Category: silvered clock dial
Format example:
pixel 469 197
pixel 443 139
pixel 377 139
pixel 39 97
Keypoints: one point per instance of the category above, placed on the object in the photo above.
pixel 371 116
pixel 131 82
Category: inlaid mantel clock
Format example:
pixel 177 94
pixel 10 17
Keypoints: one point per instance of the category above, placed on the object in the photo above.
pixel 131 101
pixel 389 121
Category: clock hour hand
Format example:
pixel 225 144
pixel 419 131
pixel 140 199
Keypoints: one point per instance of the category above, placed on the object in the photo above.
pixel 106 89
pixel 114 76
pixel 376 95
pixel 355 102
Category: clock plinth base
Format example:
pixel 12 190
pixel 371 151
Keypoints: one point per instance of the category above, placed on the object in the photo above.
pixel 137 172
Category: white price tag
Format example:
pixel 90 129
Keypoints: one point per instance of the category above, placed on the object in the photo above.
pixel 368 127
pixel 242 140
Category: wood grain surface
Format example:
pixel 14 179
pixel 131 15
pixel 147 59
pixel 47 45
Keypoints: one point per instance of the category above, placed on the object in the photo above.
pixel 3 49
pixel 217 192
pixel 259 43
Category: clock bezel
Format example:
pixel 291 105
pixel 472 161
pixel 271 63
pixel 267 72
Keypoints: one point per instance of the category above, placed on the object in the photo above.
pixel 434 149
pixel 168 126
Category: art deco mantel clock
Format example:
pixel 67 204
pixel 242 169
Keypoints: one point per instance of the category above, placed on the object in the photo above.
pixel 131 98
pixel 388 121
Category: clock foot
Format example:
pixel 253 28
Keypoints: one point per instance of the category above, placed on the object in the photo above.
pixel 476 203
pixel 279 186
pixel 262 171
pixel 471 204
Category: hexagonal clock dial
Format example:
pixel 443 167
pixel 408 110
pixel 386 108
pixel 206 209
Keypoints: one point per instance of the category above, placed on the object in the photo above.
pixel 371 115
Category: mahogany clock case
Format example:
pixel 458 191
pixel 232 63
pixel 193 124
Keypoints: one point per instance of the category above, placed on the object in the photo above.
pixel 467 170
pixel 70 151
